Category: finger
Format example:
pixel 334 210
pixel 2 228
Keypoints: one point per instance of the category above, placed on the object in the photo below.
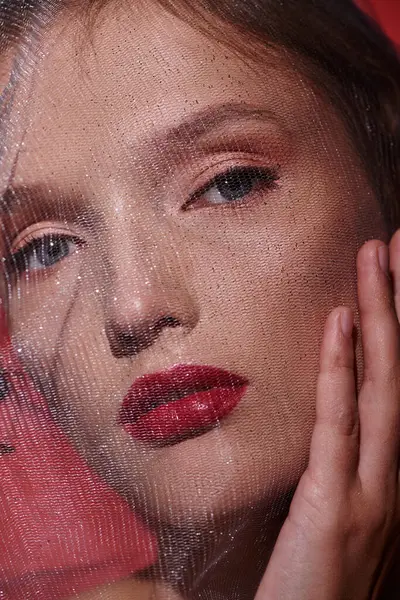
pixel 394 249
pixel 334 444
pixel 379 405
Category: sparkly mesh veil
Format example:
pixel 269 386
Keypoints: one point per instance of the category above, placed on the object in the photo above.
pixel 184 188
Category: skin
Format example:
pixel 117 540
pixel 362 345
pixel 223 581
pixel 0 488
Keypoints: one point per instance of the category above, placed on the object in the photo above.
pixel 271 266
pixel 347 505
pixel 337 538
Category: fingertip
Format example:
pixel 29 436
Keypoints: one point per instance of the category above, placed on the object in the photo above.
pixel 337 348
pixel 367 254
pixel 347 322
pixel 340 322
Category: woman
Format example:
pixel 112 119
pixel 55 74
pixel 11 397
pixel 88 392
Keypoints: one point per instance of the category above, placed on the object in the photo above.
pixel 184 210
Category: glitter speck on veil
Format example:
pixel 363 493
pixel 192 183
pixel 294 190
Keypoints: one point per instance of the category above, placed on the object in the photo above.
pixel 181 209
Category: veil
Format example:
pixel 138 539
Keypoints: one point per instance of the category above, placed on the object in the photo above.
pixel 183 190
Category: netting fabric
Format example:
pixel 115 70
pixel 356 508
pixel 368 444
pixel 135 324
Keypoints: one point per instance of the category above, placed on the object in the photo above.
pixel 184 189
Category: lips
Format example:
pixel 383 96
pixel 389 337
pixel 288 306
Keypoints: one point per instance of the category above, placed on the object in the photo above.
pixel 180 403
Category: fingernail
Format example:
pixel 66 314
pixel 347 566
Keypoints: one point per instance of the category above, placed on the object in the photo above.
pixel 347 322
pixel 383 257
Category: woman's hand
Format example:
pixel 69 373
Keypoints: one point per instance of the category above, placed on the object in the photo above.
pixel 346 507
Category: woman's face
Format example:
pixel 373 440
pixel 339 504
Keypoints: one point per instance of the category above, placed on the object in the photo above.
pixel 200 213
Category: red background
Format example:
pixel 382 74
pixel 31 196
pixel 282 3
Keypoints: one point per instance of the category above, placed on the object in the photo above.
pixel 387 12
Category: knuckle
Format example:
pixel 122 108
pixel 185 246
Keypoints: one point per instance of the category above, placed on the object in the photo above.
pixel 387 378
pixel 339 362
pixel 339 414
pixel 393 380
pixel 346 422
pixel 315 507
pixel 378 521
pixel 368 528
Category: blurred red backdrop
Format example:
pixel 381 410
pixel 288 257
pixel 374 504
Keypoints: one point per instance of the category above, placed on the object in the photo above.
pixel 387 12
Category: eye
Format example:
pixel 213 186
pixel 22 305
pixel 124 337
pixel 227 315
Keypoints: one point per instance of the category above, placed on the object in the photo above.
pixel 233 186
pixel 44 252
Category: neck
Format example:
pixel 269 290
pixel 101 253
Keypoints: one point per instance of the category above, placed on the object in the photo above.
pixel 238 562
pixel 225 565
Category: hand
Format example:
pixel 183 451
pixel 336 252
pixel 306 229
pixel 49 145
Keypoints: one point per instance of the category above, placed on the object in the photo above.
pixel 346 507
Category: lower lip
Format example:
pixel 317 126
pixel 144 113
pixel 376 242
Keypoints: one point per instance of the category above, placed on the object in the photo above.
pixel 188 417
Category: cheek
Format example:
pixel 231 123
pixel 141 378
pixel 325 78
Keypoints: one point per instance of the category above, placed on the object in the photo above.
pixel 268 294
pixel 84 372
pixel 42 319
pixel 279 273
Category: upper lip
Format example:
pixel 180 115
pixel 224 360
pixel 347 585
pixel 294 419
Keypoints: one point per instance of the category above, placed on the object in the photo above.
pixel 150 391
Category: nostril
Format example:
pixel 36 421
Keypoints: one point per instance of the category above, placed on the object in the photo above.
pixel 6 449
pixel 130 343
pixel 133 339
pixel 128 339
pixel 4 386
pixel 169 321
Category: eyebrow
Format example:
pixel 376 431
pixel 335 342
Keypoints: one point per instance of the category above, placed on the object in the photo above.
pixel 9 198
pixel 194 126
pixel 200 122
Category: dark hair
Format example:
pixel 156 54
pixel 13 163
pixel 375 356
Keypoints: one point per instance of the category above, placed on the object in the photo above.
pixel 340 47
pixel 344 52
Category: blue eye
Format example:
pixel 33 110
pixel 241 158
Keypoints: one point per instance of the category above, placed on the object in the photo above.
pixel 233 186
pixel 43 253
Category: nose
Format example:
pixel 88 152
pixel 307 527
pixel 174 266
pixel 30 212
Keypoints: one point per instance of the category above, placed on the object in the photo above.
pixel 130 338
pixel 143 303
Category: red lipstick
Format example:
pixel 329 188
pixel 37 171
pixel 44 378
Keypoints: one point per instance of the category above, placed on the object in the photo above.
pixel 180 403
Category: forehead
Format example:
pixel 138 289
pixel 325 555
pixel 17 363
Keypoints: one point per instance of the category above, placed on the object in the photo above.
pixel 139 73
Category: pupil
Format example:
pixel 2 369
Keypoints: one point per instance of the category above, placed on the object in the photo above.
pixel 236 184
pixel 52 250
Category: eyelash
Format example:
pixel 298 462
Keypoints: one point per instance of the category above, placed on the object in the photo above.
pixel 18 261
pixel 253 176
pixel 250 177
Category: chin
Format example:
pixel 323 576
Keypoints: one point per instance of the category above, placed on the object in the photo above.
pixel 200 481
